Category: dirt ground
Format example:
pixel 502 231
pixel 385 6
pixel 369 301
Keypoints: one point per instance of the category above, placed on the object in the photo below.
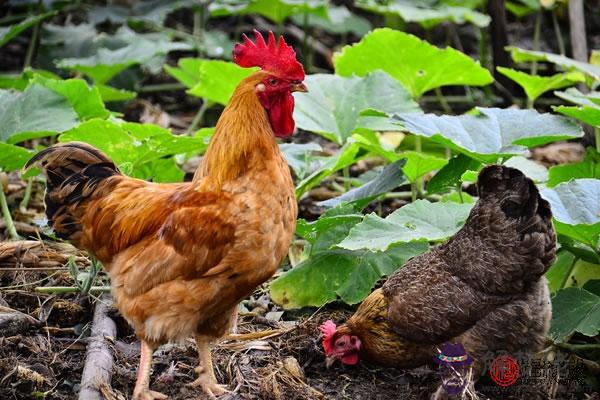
pixel 275 360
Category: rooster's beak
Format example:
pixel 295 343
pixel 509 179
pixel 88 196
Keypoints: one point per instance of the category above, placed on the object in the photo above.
pixel 329 361
pixel 299 87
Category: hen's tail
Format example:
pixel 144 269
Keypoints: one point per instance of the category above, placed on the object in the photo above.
pixel 520 201
pixel 73 173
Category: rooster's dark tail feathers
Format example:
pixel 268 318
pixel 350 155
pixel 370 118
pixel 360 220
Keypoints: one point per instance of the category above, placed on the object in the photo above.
pixel 73 171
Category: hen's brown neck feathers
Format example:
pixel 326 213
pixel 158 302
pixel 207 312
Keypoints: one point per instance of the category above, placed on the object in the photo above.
pixel 243 138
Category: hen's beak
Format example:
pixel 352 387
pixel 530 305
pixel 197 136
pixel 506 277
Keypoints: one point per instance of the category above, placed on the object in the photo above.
pixel 329 361
pixel 299 87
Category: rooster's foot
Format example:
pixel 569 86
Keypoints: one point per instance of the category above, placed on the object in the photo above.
pixel 207 381
pixel 148 395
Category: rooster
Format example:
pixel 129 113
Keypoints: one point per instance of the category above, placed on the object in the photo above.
pixel 484 288
pixel 181 256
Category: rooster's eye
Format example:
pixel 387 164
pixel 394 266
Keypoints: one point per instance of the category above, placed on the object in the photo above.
pixel 273 81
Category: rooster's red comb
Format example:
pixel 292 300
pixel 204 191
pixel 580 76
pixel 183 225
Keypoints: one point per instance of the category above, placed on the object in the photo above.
pixel 275 57
pixel 328 329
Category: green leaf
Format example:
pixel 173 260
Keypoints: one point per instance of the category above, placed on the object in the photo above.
pixel 349 275
pixel 534 171
pixel 333 105
pixel 420 164
pixel 85 100
pixel 420 220
pixel 391 177
pixel 574 310
pixel 558 273
pixel 493 132
pixel 339 21
pixel 276 10
pixel 576 209
pixel 588 168
pixel 589 106
pixel 20 81
pixel 131 146
pixel 109 93
pixel 449 176
pixel 188 72
pixel 535 85
pixel 418 65
pixel 9 32
pixel 521 55
pixel 13 157
pixel 160 170
pixel 218 80
pixel 37 112
pixel 106 62
pixel 427 17
pixel 347 155
pixel 298 156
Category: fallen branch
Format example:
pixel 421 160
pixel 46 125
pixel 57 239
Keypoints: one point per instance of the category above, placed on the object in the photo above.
pixel 97 371
pixel 71 289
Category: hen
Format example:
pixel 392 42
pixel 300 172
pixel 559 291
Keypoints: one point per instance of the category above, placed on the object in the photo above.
pixel 483 288
pixel 181 256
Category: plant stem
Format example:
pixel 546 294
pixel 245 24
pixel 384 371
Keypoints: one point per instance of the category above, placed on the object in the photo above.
pixel 31 47
pixel 413 191
pixel 597 137
pixel 160 87
pixel 536 40
pixel 346 174
pixel 440 96
pixel 460 193
pixel 10 226
pixel 576 348
pixel 70 289
pixel 198 118
pixel 529 102
pixel 27 195
pixel 559 38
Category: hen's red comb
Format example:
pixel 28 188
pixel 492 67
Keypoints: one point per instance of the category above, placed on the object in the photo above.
pixel 275 57
pixel 328 329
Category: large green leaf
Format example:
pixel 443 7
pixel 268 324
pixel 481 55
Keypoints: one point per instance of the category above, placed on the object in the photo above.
pixel 588 109
pixel 13 157
pixel 391 177
pixel 131 145
pixel 493 132
pixel 419 164
pixel 420 220
pixel 558 273
pixel 450 174
pixel 188 71
pixel 125 48
pixel 418 65
pixel 37 112
pixel 428 17
pixel 339 20
pixel 275 10
pixel 333 105
pixel 299 156
pixel 217 80
pixel 521 55
pixel 9 32
pixel 347 155
pixel 588 168
pixel 574 310
pixel 349 275
pixel 576 209
pixel 535 85
pixel 85 100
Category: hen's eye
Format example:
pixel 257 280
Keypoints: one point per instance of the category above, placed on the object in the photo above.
pixel 273 81
pixel 341 343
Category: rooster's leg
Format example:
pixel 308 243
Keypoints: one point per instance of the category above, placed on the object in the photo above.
pixel 142 390
pixel 206 379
